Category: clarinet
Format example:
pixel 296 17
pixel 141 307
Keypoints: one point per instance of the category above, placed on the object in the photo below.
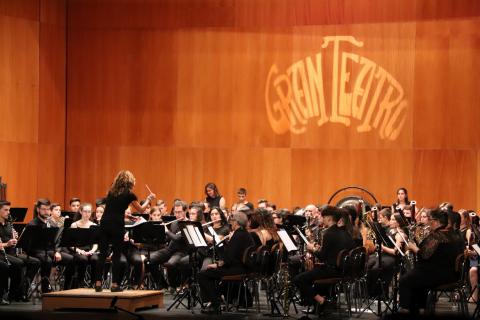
pixel 5 254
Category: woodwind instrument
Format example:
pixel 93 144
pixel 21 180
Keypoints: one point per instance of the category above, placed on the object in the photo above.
pixel 4 253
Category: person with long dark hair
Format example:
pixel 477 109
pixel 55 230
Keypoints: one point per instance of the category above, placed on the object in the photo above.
pixel 112 225
pixel 213 197
pixel 402 199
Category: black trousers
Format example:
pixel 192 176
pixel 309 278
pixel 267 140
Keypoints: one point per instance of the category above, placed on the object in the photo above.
pixel 81 263
pixel 46 263
pixel 134 258
pixel 415 284
pixel 304 281
pixel 3 276
pixel 208 281
pixel 375 273
pixel 16 274
pixel 171 260
pixel 111 235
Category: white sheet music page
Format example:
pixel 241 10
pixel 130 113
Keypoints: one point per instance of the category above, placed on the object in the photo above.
pixel 287 241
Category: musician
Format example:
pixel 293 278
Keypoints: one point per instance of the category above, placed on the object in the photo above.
pixel 132 251
pixel 162 206
pixel 435 266
pixel 75 208
pixel 56 219
pixel 213 197
pixel 222 229
pixel 242 200
pixel 11 266
pixel 473 236
pixel 177 247
pixel 262 203
pixel 335 239
pixel 99 210
pixel 388 255
pixel 112 226
pixel 231 264
pixel 84 256
pixel 402 199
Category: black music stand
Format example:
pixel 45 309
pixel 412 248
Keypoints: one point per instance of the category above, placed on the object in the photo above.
pixel 151 234
pixel 37 238
pixel 18 214
pixel 167 219
pixel 192 232
pixel 68 214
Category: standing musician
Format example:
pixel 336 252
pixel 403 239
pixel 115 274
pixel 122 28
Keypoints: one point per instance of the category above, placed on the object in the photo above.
pixel 213 198
pixel 231 264
pixel 435 266
pixel 335 239
pixel 402 199
pixel 112 226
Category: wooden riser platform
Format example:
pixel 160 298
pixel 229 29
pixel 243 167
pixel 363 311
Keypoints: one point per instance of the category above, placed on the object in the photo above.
pixel 130 300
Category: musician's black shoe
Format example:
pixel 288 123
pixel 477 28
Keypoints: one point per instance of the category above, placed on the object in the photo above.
pixel 116 289
pixel 212 310
pixel 4 302
pixel 98 288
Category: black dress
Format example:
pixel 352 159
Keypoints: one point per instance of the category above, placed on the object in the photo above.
pixel 112 231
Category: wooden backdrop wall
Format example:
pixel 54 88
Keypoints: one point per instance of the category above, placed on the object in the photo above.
pixel 32 94
pixel 176 92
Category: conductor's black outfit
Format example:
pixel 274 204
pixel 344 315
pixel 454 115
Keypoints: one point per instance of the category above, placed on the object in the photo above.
pixel 112 231
pixel 233 265
pixel 335 239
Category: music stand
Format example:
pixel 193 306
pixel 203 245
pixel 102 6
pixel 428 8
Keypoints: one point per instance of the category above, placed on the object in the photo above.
pixel 166 219
pixel 192 232
pixel 151 234
pixel 145 216
pixel 18 214
pixel 79 237
pixel 37 238
pixel 68 214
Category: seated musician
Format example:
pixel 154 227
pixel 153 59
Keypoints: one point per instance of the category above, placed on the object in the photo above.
pixel 231 264
pixel 334 240
pixel 177 247
pixel 11 265
pixel 42 208
pixel 388 256
pixel 56 219
pixel 84 256
pixel 132 251
pixel 436 257
pixel 222 229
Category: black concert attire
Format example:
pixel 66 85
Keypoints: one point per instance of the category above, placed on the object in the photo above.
pixel 3 276
pixel 213 202
pixel 134 258
pixel 112 232
pixel 221 231
pixel 387 271
pixel 233 264
pixel 335 239
pixel 47 260
pixel 435 266
pixel 172 254
pixel 82 262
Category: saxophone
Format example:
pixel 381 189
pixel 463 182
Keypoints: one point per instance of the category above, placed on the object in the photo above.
pixel 285 288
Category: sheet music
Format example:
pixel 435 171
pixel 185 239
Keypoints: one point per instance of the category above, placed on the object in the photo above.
pixel 215 235
pixel 476 248
pixel 302 235
pixel 138 222
pixel 190 241
pixel 287 241
pixel 395 244
pixel 200 237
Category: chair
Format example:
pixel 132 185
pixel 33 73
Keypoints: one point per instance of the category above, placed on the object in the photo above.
pixel 456 288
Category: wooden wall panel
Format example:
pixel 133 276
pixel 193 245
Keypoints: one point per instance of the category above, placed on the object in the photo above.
pixel 32 91
pixel 179 97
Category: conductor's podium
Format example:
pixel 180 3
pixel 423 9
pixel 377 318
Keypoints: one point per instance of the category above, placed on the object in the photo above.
pixel 130 300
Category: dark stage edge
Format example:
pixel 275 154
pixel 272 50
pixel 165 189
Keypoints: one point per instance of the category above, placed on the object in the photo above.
pixel 27 310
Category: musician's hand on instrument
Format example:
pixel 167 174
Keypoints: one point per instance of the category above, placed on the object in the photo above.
pixel 311 246
pixel 412 246
pixel 57 257
pixel 11 242
pixel 212 266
